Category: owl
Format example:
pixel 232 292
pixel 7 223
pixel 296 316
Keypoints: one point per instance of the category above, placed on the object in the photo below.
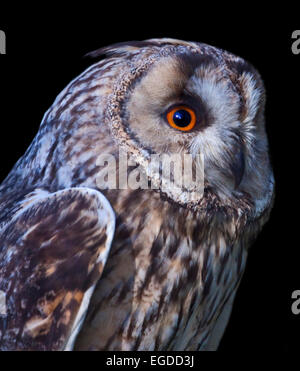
pixel 87 266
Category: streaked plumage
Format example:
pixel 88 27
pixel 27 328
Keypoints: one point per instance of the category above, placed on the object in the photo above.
pixel 173 265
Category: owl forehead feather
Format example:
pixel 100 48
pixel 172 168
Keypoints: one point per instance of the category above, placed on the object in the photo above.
pixel 166 80
pixel 173 77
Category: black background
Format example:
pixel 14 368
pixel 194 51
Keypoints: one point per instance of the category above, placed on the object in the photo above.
pixel 44 52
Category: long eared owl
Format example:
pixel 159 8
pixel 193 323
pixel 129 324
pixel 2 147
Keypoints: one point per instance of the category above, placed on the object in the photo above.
pixel 88 267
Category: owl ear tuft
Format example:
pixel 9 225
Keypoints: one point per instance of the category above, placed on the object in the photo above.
pixel 116 49
pixel 122 48
pixel 128 47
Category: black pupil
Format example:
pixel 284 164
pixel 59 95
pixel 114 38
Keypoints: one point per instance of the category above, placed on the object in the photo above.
pixel 182 118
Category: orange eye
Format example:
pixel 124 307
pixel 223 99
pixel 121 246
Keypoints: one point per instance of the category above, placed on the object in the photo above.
pixel 182 118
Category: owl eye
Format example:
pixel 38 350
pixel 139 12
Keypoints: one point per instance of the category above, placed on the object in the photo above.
pixel 181 118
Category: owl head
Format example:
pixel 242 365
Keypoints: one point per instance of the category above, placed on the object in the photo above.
pixel 160 97
pixel 176 97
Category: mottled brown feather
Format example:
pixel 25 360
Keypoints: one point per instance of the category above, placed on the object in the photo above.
pixel 52 252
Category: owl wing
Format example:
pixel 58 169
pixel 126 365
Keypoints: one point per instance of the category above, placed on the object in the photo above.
pixel 52 253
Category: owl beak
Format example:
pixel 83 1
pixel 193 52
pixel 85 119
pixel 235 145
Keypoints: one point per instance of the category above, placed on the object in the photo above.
pixel 238 167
